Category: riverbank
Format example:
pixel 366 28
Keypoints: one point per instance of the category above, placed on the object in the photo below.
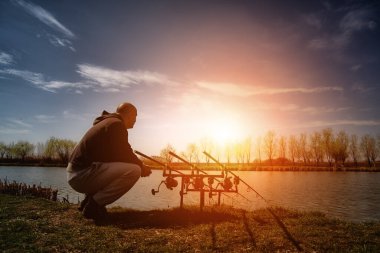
pixel 232 167
pixel 33 224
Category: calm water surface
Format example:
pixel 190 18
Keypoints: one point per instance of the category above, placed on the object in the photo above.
pixel 349 195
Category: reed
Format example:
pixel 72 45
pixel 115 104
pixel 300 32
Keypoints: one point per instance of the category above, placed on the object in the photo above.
pixel 22 189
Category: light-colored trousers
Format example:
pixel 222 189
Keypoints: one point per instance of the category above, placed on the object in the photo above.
pixel 105 182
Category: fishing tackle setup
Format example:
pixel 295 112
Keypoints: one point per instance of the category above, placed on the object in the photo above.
pixel 215 184
pixel 195 182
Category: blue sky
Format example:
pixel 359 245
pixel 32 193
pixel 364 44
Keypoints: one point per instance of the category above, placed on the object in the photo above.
pixel 194 69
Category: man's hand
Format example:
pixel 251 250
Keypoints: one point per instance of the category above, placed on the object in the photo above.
pixel 145 171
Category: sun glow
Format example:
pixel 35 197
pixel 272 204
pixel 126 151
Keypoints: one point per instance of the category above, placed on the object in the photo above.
pixel 224 132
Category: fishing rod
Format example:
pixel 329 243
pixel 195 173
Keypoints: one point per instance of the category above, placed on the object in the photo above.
pixel 188 163
pixel 278 220
pixel 202 171
pixel 224 167
pixel 158 162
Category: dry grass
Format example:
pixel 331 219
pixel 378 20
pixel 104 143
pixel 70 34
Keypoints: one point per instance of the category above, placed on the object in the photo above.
pixel 36 225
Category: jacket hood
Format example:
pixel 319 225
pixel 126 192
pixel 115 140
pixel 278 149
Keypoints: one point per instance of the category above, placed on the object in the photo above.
pixel 106 115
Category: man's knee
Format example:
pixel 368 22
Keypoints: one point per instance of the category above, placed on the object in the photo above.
pixel 135 172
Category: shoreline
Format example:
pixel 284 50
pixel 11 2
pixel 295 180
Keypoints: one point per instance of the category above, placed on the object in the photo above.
pixel 284 168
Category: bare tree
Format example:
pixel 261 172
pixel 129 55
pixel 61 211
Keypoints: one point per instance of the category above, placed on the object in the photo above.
pixel 341 146
pixel 316 147
pixel 191 151
pixel 218 151
pixel 293 148
pixel 353 147
pixel 377 146
pixel 270 145
pixel 367 146
pixel 228 149
pixel 23 149
pixel 207 145
pixel 282 148
pixel 165 153
pixel 40 149
pixel 239 152
pixel 303 148
pixel 59 148
pixel 258 148
pixel 3 149
pixel 328 140
pixel 10 150
pixel 374 151
pixel 247 149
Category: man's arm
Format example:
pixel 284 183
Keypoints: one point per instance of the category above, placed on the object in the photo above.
pixel 125 152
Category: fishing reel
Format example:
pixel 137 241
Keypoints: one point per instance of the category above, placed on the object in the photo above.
pixel 227 184
pixel 169 182
pixel 236 180
pixel 210 181
pixel 198 183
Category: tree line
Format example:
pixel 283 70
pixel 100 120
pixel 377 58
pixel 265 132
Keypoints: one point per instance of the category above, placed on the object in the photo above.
pixel 53 150
pixel 320 148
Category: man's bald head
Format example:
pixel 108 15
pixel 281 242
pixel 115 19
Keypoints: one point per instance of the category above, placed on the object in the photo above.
pixel 128 112
pixel 126 107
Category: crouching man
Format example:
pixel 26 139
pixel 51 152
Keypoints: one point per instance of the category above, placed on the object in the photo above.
pixel 103 165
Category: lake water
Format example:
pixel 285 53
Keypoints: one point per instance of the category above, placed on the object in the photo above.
pixel 349 195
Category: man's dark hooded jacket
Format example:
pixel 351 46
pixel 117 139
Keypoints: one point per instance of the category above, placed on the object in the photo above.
pixel 105 141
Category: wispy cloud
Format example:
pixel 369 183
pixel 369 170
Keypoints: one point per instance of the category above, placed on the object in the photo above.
pixel 353 21
pixel 67 114
pixel 41 118
pixel 5 59
pixel 313 110
pixel 14 126
pixel 232 89
pixel 38 80
pixel 298 108
pixel 98 79
pixel 17 122
pixel 109 80
pixel 356 67
pixel 313 20
pixel 5 130
pixel 343 122
pixel 44 16
pixel 60 42
pixel 361 88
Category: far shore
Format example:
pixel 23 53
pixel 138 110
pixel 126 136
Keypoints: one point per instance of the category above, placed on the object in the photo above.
pixel 233 167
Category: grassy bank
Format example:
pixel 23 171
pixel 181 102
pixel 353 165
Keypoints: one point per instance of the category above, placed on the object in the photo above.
pixel 32 224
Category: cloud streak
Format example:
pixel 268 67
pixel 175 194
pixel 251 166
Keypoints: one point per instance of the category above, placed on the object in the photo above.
pixel 5 59
pixel 41 118
pixel 231 89
pixel 38 80
pixel 353 21
pixel 4 130
pixel 59 42
pixel 109 80
pixel 14 126
pixel 17 122
pixel 98 79
pixel 44 16
pixel 343 122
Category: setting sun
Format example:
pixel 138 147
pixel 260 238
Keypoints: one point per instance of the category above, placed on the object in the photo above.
pixel 224 131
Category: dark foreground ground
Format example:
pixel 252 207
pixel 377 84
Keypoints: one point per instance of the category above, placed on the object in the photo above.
pixel 30 224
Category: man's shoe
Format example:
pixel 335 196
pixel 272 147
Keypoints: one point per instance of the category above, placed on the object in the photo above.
pixel 94 211
pixel 84 202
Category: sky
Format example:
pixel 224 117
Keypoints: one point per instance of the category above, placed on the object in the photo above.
pixel 194 69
